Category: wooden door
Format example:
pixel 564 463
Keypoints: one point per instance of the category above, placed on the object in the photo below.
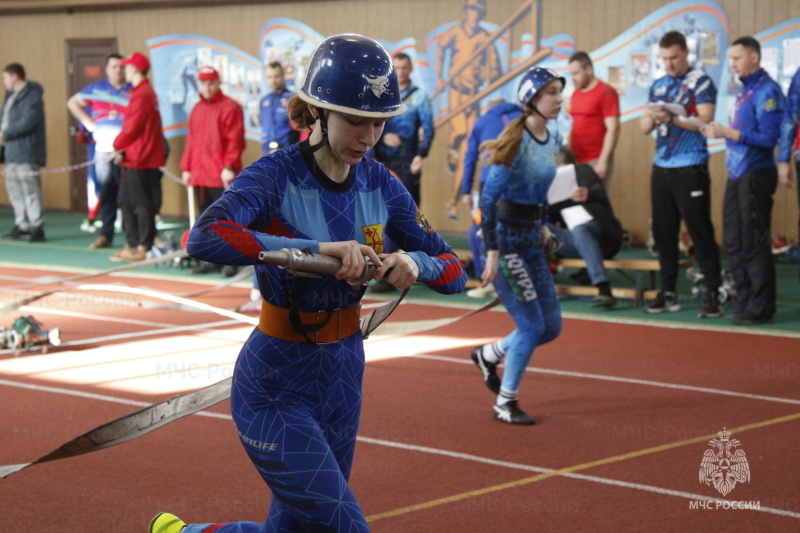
pixel 86 63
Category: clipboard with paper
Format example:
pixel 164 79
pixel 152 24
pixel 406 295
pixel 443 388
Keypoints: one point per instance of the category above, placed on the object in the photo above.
pixel 564 184
pixel 675 109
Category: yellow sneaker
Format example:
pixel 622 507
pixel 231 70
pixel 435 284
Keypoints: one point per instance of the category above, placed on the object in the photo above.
pixel 166 523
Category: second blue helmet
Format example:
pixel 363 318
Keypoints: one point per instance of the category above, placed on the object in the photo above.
pixel 533 81
pixel 353 74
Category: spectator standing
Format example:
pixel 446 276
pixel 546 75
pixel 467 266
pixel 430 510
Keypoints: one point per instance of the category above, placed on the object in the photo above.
pixel 523 161
pixel 486 128
pixel 406 140
pixel 593 241
pixel 752 179
pixel 22 135
pixel 214 144
pixel 789 144
pixel 594 107
pixel 140 148
pixel 680 184
pixel 100 108
pixel 277 130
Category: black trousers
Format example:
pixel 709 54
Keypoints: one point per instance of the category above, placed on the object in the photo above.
pixel 108 201
pixel 401 166
pixel 205 196
pixel 747 216
pixel 138 197
pixel 684 193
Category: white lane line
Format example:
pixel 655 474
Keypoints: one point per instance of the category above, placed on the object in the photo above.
pixel 423 449
pixel 93 396
pixel 165 329
pixel 686 325
pixel 624 380
pixel 583 477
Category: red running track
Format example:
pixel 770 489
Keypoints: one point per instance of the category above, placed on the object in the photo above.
pixel 624 413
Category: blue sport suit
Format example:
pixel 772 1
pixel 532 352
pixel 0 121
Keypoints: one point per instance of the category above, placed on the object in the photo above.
pixel 407 126
pixel 680 147
pixel 790 136
pixel 757 114
pixel 276 129
pixel 297 405
pixel 523 282
pixel 488 127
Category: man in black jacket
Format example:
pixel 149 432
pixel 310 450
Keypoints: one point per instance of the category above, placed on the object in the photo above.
pixel 22 135
pixel 593 241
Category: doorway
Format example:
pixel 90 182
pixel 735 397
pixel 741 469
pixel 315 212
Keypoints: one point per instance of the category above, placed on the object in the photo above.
pixel 86 60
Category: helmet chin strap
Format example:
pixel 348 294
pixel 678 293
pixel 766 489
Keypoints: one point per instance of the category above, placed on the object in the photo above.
pixel 535 110
pixel 323 125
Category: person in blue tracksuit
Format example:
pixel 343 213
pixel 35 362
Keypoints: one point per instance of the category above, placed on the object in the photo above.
pixel 752 180
pixel 277 130
pixel 680 182
pixel 296 390
pixel 406 140
pixel 789 144
pixel 486 128
pixel 512 203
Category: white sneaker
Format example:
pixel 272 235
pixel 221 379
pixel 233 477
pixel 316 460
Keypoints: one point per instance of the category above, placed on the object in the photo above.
pixel 88 226
pixel 482 292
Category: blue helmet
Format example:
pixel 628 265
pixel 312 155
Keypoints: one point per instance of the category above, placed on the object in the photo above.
pixel 533 81
pixel 353 74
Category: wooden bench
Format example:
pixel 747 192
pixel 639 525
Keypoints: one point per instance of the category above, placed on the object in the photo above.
pixel 643 289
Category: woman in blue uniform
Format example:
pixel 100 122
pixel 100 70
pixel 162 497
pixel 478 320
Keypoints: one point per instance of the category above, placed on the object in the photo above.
pixel 296 392
pixel 513 200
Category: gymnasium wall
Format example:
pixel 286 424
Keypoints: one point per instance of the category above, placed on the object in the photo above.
pixel 37 40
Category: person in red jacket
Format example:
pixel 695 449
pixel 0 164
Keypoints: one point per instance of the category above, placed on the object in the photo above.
pixel 213 153
pixel 139 148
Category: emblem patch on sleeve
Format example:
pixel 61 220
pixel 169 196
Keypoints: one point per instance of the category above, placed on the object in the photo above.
pixel 770 105
pixel 373 237
pixel 423 223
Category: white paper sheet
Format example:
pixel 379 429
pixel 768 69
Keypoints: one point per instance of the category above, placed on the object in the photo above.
pixel 675 109
pixel 694 121
pixel 575 216
pixel 565 182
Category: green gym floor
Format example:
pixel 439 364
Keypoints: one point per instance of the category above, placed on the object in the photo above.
pixel 67 246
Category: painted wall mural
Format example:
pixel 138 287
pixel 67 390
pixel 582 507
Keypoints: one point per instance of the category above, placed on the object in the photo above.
pixel 464 64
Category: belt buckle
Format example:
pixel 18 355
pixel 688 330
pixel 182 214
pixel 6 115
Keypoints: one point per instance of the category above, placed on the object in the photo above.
pixel 338 313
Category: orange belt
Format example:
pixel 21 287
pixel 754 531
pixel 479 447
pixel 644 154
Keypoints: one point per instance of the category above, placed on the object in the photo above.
pixel 274 321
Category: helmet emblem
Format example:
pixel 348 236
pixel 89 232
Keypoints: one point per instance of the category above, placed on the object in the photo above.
pixel 378 84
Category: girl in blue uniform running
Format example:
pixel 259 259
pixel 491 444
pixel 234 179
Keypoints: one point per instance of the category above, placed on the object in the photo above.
pixel 512 202
pixel 296 392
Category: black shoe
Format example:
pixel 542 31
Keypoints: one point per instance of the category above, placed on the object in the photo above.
pixel 711 306
pixel 733 313
pixel 489 370
pixel 749 319
pixel 381 286
pixel 511 414
pixel 582 277
pixel 36 235
pixel 666 301
pixel 603 300
pixel 16 233
pixel 228 271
